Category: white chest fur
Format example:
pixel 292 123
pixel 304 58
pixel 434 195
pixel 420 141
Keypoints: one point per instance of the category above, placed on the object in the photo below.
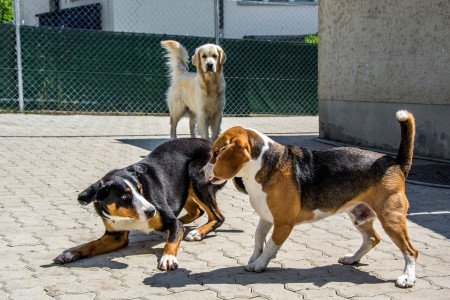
pixel 119 224
pixel 258 199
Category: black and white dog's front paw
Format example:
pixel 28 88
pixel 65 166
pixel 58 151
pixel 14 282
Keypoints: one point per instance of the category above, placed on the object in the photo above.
pixel 194 235
pixel 66 257
pixel 167 263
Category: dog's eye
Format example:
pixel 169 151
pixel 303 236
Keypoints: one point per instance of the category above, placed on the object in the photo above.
pixel 216 153
pixel 204 55
pixel 214 55
pixel 126 197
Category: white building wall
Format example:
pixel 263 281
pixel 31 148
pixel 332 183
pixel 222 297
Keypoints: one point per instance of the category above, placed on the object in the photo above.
pixel 75 3
pixel 180 17
pixel 30 8
pixel 192 17
pixel 265 19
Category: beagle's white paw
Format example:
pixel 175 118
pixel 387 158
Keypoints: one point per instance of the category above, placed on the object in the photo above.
pixel 255 256
pixel 258 266
pixel 405 281
pixel 348 259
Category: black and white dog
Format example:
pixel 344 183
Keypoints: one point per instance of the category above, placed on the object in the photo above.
pixel 149 195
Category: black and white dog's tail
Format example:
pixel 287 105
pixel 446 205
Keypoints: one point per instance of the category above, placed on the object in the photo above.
pixel 177 58
pixel 239 184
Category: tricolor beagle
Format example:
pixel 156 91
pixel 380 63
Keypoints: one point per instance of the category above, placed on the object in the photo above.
pixel 149 195
pixel 290 185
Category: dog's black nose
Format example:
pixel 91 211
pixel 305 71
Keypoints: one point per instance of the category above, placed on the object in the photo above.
pixel 209 67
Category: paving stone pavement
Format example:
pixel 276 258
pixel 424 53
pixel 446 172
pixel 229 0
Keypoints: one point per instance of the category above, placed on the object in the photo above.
pixel 46 161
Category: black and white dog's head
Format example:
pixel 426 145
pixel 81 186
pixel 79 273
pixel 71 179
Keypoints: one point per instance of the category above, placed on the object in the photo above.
pixel 118 197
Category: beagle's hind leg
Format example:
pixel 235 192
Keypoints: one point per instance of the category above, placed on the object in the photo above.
pixel 393 220
pixel 362 217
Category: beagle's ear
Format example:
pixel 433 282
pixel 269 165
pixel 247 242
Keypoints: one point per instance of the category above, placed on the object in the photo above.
pixel 196 58
pixel 222 56
pixel 230 160
pixel 88 195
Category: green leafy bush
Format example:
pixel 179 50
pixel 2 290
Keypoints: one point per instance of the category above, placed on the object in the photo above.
pixel 6 11
pixel 311 39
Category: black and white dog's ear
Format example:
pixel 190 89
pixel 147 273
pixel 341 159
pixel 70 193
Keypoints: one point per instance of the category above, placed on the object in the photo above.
pixel 89 194
pixel 103 192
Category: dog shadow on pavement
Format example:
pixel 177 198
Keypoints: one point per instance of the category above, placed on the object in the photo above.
pixel 318 276
pixel 145 143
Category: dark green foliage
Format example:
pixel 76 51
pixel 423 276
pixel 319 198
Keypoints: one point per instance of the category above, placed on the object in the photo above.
pixel 6 11
pixel 99 71
pixel 312 39
pixel 8 78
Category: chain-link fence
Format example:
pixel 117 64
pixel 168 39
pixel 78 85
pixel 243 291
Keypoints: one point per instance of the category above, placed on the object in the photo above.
pixel 104 56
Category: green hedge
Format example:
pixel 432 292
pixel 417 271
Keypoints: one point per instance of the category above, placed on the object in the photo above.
pixel 99 71
pixel 8 72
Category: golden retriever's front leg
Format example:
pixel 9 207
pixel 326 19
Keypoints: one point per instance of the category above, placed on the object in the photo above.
pixel 215 126
pixel 192 123
pixel 202 125
pixel 109 242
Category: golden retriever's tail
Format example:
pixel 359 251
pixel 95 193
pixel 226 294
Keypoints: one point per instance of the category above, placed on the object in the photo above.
pixel 406 149
pixel 177 58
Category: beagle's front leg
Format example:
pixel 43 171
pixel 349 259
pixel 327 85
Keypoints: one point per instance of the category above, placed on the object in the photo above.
pixel 260 238
pixel 174 236
pixel 110 241
pixel 279 235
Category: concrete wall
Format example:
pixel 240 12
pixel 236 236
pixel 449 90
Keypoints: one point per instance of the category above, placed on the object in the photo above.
pixel 379 56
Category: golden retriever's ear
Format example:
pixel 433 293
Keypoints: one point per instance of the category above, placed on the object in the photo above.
pixel 222 56
pixel 196 58
pixel 230 160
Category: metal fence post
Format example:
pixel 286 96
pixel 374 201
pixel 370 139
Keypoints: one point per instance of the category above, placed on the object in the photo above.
pixel 17 22
pixel 216 21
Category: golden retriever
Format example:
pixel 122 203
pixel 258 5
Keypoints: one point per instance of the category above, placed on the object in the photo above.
pixel 200 95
